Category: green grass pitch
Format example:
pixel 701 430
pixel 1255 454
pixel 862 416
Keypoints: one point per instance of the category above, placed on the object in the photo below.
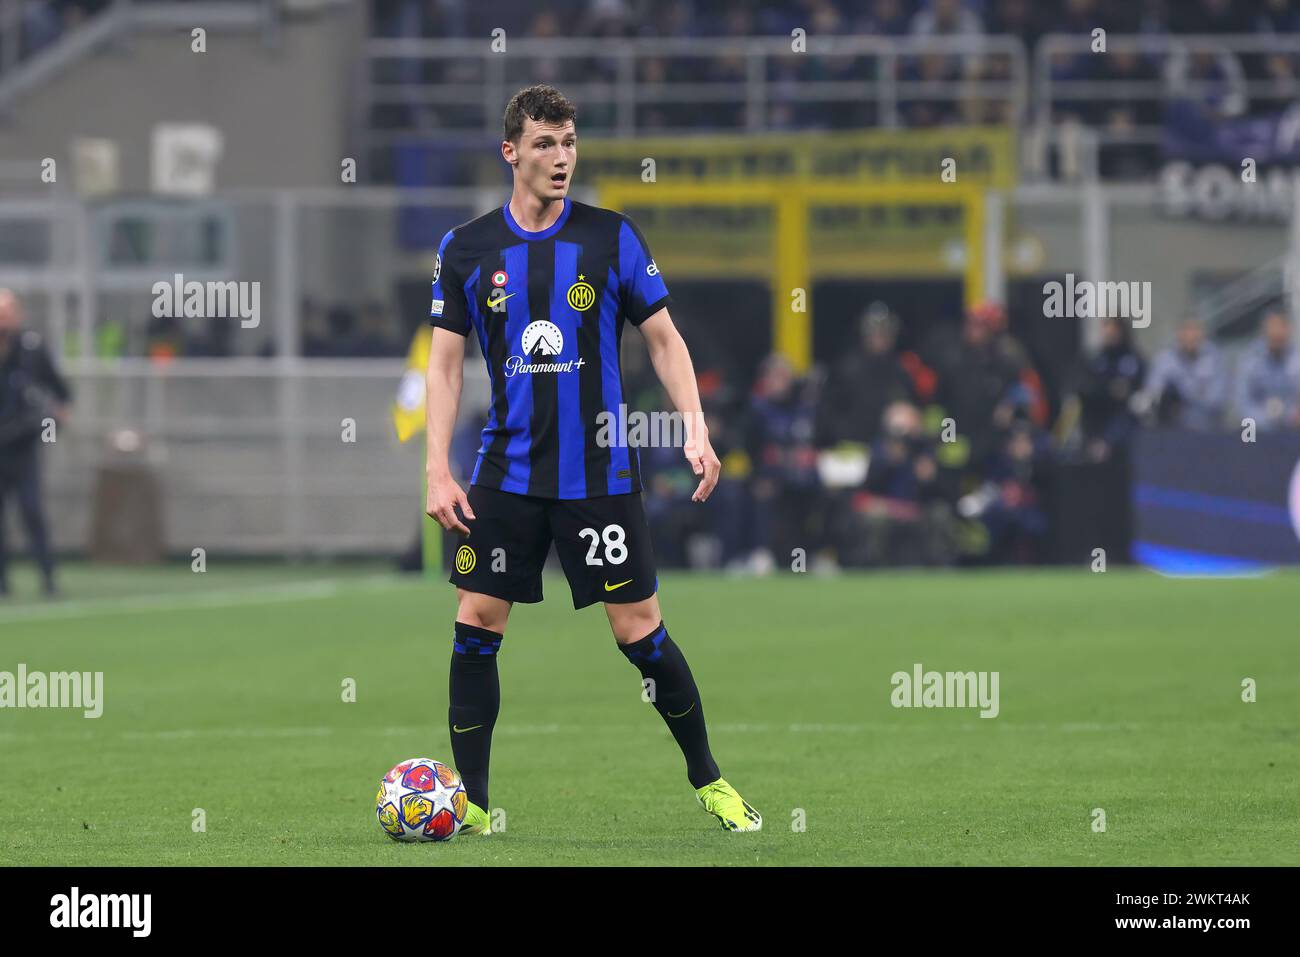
pixel 223 691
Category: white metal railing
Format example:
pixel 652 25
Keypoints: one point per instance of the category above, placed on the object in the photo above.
pixel 1051 92
pixel 477 81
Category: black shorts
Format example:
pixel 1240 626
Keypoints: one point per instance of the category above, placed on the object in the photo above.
pixel 603 544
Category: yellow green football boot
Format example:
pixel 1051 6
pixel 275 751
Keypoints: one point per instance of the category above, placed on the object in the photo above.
pixel 476 821
pixel 721 800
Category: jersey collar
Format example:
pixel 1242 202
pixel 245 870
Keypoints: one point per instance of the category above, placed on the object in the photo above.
pixel 546 233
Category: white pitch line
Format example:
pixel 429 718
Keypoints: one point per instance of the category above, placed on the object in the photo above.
pixel 184 601
pixel 187 733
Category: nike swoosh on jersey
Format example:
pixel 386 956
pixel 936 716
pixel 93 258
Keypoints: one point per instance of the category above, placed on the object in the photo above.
pixel 459 730
pixel 684 713
pixel 609 587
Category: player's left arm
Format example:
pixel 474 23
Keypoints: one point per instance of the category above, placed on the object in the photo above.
pixel 672 363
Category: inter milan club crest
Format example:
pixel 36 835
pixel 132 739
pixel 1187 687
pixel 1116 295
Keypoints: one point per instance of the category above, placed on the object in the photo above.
pixel 581 295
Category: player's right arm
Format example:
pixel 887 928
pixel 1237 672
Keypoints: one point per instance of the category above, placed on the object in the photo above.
pixel 449 316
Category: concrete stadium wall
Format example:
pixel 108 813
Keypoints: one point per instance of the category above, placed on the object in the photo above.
pixel 283 109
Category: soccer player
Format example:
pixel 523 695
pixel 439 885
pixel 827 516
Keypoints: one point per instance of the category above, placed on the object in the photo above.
pixel 547 285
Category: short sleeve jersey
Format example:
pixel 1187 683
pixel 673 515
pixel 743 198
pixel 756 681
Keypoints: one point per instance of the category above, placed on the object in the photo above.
pixel 549 310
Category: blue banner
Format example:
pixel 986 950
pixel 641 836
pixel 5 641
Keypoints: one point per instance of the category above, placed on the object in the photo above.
pixel 1209 503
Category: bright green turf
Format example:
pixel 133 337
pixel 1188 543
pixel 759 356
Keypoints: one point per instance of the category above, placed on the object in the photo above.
pixel 1119 691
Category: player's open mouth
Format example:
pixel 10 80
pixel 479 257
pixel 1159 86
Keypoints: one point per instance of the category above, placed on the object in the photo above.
pixel 559 179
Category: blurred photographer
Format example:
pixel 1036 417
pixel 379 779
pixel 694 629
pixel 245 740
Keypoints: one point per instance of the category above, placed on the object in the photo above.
pixel 1106 385
pixel 31 391
pixel 902 513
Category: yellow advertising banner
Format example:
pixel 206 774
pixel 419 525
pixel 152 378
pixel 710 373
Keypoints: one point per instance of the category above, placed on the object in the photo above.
pixel 916 188
pixel 982 155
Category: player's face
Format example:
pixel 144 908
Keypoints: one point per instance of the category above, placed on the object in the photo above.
pixel 546 156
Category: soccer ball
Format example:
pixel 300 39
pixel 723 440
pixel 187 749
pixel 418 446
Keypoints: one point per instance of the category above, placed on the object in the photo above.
pixel 421 800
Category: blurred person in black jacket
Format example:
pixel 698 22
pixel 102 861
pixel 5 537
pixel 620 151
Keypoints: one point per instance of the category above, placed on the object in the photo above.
pixel 864 383
pixel 785 485
pixel 986 378
pixel 31 391
pixel 1109 379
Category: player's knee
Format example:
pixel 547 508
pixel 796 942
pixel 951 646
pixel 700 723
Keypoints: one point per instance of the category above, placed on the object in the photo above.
pixel 482 611
pixel 633 622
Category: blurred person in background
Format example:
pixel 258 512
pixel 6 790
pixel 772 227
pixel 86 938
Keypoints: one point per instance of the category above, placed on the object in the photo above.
pixel 1122 117
pixel 1188 384
pixel 1020 18
pixel 886 18
pixel 864 383
pixel 1277 16
pixel 1009 502
pixel 1268 379
pixel 985 378
pixel 1107 383
pixel 907 519
pixel 31 390
pixel 164 338
pixel 722 533
pixel 945 18
pixel 1212 84
pixel 786 488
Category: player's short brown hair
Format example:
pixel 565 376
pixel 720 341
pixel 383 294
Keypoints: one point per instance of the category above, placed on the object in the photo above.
pixel 540 103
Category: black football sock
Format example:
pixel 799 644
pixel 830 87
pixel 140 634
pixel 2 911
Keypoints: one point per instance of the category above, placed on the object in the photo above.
pixel 475 696
pixel 677 700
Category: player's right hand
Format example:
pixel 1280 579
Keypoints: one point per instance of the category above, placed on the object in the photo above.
pixel 440 503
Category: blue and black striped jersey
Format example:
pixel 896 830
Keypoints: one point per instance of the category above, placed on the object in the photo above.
pixel 548 308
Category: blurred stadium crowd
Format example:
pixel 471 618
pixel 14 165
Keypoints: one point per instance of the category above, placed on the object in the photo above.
pixel 855 465
pixel 1027 19
pixel 1226 77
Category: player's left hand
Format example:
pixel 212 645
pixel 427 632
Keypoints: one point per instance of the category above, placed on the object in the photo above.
pixel 704 463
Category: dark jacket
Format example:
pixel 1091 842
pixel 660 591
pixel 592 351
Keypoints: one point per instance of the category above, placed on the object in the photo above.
pixel 30 387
